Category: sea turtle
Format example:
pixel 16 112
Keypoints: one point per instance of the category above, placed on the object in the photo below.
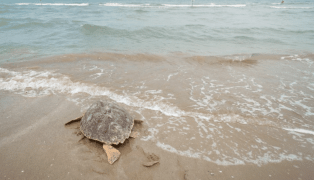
pixel 109 123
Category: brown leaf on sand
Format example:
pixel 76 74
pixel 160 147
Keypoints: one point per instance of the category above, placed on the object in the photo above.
pixel 149 164
pixel 112 153
pixel 134 134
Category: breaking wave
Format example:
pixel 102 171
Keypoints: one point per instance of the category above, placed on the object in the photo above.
pixel 277 7
pixel 169 5
pixel 53 4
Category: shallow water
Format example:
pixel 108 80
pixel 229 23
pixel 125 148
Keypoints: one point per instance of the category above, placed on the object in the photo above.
pixel 36 29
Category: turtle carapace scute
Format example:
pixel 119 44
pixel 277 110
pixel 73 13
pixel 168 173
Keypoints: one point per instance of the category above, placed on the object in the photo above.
pixel 107 122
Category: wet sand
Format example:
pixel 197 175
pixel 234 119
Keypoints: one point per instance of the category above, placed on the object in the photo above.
pixel 36 144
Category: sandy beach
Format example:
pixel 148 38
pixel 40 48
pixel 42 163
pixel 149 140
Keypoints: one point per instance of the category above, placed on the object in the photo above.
pixel 36 144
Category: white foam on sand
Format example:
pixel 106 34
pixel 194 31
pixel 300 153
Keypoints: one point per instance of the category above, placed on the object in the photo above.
pixel 38 83
pixel 169 76
pixel 96 75
pixel 225 160
pixel 152 133
pixel 304 131
pixel 187 153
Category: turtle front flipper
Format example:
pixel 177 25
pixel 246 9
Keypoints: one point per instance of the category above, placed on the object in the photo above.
pixel 112 153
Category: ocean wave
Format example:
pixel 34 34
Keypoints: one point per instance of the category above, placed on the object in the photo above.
pixel 29 23
pixel 169 5
pixel 52 4
pixel 190 32
pixel 4 22
pixel 146 32
pixel 204 5
pixel 25 4
pixel 254 39
pixel 125 5
pixel 90 28
pixel 277 7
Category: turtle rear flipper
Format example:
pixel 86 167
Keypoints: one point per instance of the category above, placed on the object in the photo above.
pixel 112 153
pixel 73 121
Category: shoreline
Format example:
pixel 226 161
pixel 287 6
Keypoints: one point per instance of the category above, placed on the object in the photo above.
pixel 118 54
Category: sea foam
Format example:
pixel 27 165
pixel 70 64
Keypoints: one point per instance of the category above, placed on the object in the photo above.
pixel 169 5
pixel 304 131
pixel 279 7
pixel 124 5
pixel 203 5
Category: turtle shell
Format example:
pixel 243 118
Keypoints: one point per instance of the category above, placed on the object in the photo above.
pixel 107 122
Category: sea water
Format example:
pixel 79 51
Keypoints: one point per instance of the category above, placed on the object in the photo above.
pixel 230 82
pixel 207 28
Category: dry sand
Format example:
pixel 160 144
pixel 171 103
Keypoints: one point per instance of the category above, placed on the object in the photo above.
pixel 35 144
